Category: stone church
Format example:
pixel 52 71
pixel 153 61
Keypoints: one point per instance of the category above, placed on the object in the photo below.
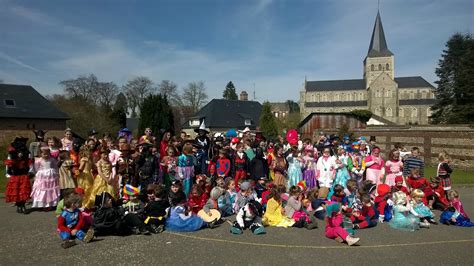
pixel 401 100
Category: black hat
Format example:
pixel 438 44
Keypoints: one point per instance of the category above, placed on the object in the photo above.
pixel 372 138
pixel 176 183
pixel 39 133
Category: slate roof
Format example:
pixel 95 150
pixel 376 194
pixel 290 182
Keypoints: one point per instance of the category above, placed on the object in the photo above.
pixel 336 104
pixel 28 103
pixel 221 113
pixel 417 102
pixel 359 84
pixel 378 44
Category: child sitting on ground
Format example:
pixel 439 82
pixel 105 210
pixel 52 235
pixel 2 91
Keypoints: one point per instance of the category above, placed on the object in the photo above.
pixel 425 214
pixel 334 230
pixel 366 217
pixel 275 213
pixel 399 186
pixel 438 199
pixel 249 216
pixel 197 199
pixel 71 222
pixel 404 217
pixel 455 214
pixel 156 210
pixel 244 196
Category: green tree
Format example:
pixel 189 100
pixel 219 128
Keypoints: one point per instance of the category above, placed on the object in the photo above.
pixel 455 90
pixel 294 107
pixel 119 110
pixel 229 92
pixel 156 113
pixel 268 123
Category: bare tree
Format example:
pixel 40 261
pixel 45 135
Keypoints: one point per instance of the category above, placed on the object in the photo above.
pixel 106 94
pixel 84 87
pixel 170 90
pixel 136 90
pixel 194 95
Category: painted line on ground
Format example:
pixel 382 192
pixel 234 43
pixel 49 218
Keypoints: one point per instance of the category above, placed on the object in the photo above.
pixel 318 247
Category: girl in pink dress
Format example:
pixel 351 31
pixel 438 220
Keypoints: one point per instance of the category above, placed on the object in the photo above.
pixel 393 167
pixel 45 193
pixel 374 167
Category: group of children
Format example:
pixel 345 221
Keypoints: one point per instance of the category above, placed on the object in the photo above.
pixel 121 186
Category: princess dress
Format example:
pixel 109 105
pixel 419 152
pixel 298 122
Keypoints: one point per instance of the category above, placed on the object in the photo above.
pixel 273 215
pixel 45 191
pixel 373 171
pixel 279 168
pixel 393 169
pixel 403 219
pixel 85 180
pixel 181 222
pixel 186 171
pixel 309 173
pixel 101 182
pixel 422 210
pixel 342 173
pixel 65 175
pixel 294 170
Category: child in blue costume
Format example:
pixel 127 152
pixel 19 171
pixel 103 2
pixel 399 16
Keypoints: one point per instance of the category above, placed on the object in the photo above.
pixel 295 165
pixel 71 223
pixel 404 218
pixel 426 215
pixel 452 217
pixel 342 172
pixel 183 220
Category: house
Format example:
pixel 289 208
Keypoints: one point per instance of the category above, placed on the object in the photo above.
pixel 22 108
pixel 221 115
pixel 315 122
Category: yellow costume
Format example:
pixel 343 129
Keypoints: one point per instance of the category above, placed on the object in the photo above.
pixel 101 182
pixel 274 217
pixel 85 180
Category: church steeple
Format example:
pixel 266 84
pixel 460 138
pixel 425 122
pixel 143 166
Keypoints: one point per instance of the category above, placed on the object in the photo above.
pixel 378 44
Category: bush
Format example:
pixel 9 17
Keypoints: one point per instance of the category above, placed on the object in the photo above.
pixel 363 115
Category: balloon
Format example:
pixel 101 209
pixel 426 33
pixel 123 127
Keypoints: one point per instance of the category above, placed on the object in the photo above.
pixel 292 137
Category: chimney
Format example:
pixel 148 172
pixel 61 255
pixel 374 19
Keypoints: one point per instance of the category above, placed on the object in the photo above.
pixel 244 96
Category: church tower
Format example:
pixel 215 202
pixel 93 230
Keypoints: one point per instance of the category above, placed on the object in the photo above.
pixel 382 90
pixel 379 59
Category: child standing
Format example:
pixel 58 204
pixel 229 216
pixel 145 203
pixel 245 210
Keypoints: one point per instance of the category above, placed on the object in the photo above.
pixel 325 171
pixel 65 172
pixel 295 164
pixel 186 167
pixel 393 167
pixel 375 166
pixel 309 173
pixel 71 222
pixel 342 163
pixel 444 170
pixel 169 166
pixel 85 179
pixel 241 164
pixel 45 191
pixel 334 230
pixel 101 181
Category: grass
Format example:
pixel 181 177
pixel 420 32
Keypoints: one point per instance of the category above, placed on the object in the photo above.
pixel 458 176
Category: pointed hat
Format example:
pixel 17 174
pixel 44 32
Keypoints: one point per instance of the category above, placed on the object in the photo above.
pixel 202 127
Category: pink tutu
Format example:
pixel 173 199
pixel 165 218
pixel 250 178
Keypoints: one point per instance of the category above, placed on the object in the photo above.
pixel 299 214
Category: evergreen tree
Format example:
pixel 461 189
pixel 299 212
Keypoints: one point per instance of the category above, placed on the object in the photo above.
pixel 156 113
pixel 268 123
pixel 119 111
pixel 455 91
pixel 229 92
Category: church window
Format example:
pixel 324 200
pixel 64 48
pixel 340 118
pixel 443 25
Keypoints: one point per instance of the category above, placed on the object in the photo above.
pixel 343 97
pixel 412 95
pixel 361 96
pixel 380 67
pixel 372 67
pixel 388 93
pixel 414 112
pixel 336 97
pixel 388 112
pixel 423 95
pixel 318 97
pixel 387 66
pixel 401 112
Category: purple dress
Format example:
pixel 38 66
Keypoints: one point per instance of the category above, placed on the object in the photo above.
pixel 309 173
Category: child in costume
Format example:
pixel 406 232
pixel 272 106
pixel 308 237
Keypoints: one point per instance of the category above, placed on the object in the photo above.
pixel 279 167
pixel 18 164
pixel 134 210
pixel 182 220
pixel 358 164
pixel 104 178
pixel 309 172
pixel 240 164
pixel 169 164
pixel 438 199
pixel 53 144
pixel 366 216
pixel 231 192
pixel 175 191
pixel 65 165
pixel 45 192
pixel 294 210
pixel 382 203
pixel 425 214
pixel 333 229
pixel 444 170
pixel 415 181
pixel 260 187
pixel 325 171
pixel 374 166
pixel 197 199
pixel 343 162
pixel 404 217
pixel 186 167
pixel 275 213
pixel 249 217
pixel 213 201
pixel 222 164
pixel 85 180
pixel 393 167
pixel 399 185
pixel 157 210
pixel 243 196
pixel 295 165
pixel 455 214
pixel 71 222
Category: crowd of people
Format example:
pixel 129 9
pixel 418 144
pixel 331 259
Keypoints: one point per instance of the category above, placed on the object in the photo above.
pixel 121 185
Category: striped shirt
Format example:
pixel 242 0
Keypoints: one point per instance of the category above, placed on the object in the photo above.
pixel 411 163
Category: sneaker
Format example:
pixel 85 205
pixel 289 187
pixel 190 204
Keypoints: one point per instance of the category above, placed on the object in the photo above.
pixel 161 228
pixel 68 243
pixel 145 231
pixel 89 235
pixel 311 225
pixel 236 231
pixel 135 230
pixel 259 230
pixel 352 240
pixel 424 224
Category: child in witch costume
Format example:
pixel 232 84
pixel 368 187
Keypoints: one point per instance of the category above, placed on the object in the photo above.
pixel 157 210
pixel 249 217
pixel 71 222
pixel 18 166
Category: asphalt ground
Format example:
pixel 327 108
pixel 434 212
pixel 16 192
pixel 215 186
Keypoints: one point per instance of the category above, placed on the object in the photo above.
pixel 32 239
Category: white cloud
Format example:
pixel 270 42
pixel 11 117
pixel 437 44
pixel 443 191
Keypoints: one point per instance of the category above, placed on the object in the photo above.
pixel 17 62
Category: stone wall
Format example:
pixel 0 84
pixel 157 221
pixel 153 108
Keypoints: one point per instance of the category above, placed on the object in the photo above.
pixel 6 136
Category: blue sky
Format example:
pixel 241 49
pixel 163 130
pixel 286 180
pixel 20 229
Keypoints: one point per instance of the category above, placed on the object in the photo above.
pixel 272 44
